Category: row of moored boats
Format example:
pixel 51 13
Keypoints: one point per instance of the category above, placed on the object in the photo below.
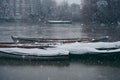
pixel 55 48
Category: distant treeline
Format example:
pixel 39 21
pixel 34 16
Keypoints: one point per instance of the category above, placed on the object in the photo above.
pixel 39 10
pixel 101 11
pixel 90 11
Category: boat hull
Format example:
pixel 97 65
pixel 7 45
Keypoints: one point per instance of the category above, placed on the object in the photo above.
pixel 25 45
pixel 33 57
pixel 62 40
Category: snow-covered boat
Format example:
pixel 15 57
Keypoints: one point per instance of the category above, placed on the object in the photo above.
pixel 60 51
pixel 91 48
pixel 32 51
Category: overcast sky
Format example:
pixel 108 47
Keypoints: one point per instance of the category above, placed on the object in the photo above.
pixel 70 1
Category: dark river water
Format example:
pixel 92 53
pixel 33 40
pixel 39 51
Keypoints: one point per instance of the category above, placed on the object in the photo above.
pixel 93 67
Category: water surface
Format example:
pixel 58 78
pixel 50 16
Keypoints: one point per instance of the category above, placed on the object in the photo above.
pixel 86 68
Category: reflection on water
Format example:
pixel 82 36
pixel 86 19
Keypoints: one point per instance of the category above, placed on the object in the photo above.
pixel 59 70
pixel 98 30
pixel 87 67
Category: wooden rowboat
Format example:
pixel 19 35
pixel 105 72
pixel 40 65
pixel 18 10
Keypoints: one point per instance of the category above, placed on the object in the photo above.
pixel 61 40
pixel 22 42
pixel 27 45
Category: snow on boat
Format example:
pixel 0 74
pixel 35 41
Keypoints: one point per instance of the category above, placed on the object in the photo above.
pixel 28 50
pixel 59 22
pixel 33 53
pixel 91 48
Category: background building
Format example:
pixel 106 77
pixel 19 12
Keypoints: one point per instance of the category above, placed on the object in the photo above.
pixel 19 9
